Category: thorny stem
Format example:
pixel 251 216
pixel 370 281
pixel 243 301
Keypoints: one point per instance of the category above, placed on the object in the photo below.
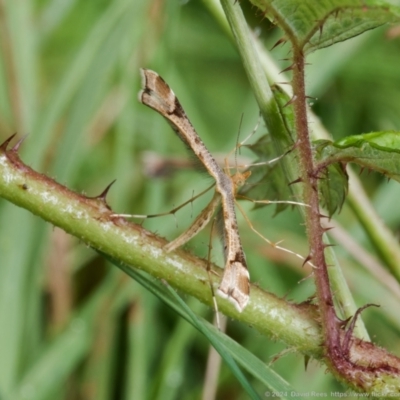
pixel 375 371
pixel 363 374
pixel 313 226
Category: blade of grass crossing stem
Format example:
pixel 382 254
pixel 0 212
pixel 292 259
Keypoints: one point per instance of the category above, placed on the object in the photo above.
pixel 227 357
pixel 228 347
pixel 220 341
pixel 165 295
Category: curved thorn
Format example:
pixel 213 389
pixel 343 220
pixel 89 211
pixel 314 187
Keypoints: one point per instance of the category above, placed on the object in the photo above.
pixel 290 67
pixel 343 322
pixel 295 181
pixel 280 41
pixel 102 196
pixel 306 361
pixel 349 332
pixel 306 260
pixel 291 101
pixel 4 145
pixel 321 27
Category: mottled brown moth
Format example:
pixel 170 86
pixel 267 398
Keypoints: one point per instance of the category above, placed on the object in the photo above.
pixel 235 285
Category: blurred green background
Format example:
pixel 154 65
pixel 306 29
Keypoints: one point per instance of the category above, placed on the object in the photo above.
pixel 71 325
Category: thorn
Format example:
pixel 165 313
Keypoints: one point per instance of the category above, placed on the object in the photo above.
pixel 311 97
pixel 295 181
pixel 283 83
pixel 5 144
pixel 349 332
pixel 323 216
pixel 292 100
pixel 321 27
pixel 280 41
pixel 102 196
pixel 327 228
pixel 290 67
pixel 361 170
pixel 325 245
pixel 306 361
pixel 16 147
pixel 342 322
pixel 306 260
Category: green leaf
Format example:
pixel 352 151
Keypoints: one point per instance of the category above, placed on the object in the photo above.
pixel 311 25
pixel 333 187
pixel 268 181
pixel 378 151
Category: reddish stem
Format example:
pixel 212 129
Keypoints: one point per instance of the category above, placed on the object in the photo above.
pixel 329 320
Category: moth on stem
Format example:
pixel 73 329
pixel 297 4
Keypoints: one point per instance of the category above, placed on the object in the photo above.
pixel 235 285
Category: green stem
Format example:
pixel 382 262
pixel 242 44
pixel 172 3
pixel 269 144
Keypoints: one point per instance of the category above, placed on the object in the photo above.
pixel 337 350
pixel 92 221
pixel 260 69
pixel 257 70
pixel 381 237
